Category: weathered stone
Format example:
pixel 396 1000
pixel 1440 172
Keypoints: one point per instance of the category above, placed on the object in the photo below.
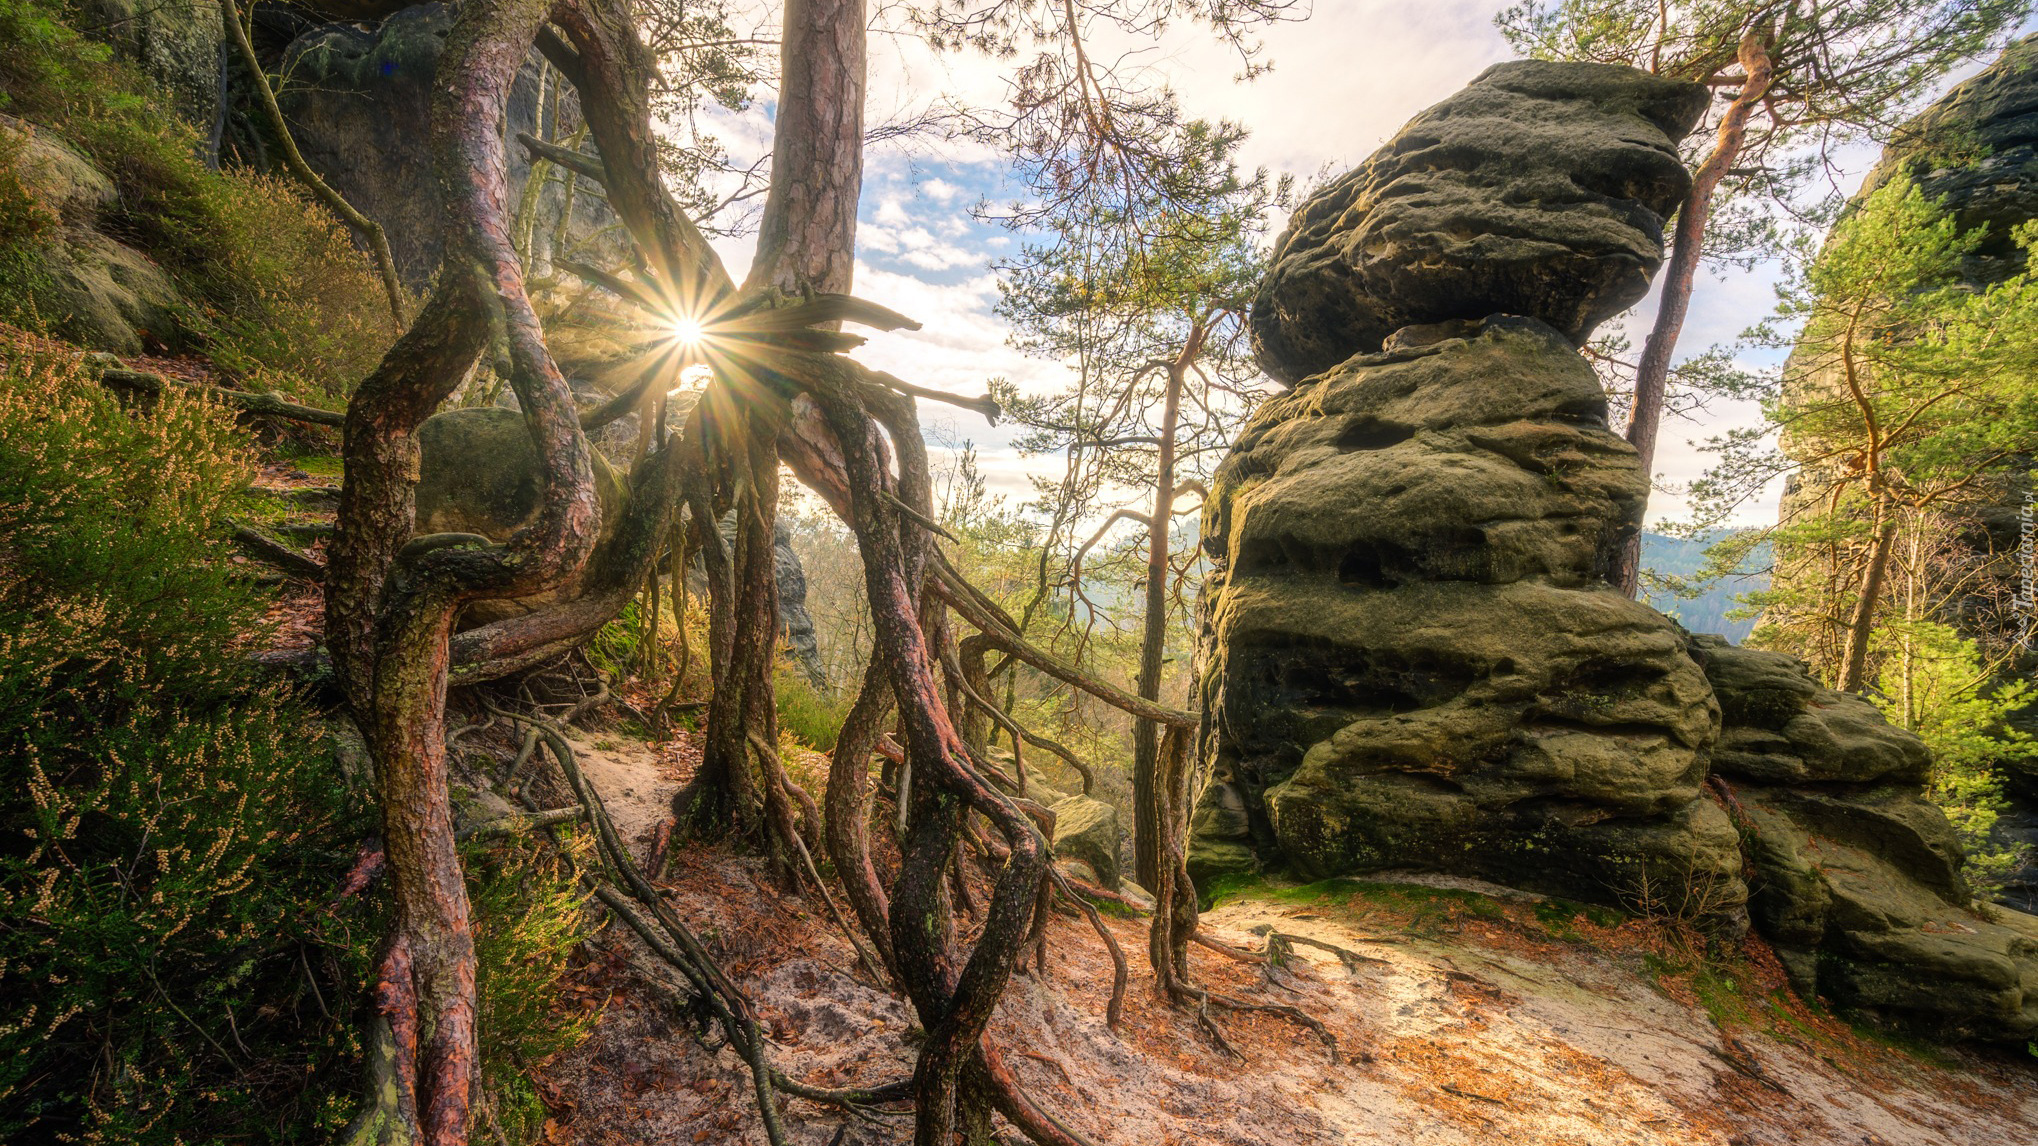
pixel 1086 830
pixel 101 293
pixel 176 43
pixel 351 82
pixel 1539 190
pixel 1411 656
pixel 478 473
pixel 1858 884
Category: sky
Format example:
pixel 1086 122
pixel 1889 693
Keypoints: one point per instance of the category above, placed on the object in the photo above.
pixel 1342 83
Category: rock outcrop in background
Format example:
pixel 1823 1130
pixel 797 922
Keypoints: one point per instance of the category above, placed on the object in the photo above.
pixel 1411 656
pixel 1975 150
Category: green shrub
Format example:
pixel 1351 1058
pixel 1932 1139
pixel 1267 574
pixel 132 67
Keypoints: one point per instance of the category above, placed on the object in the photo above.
pixel 808 713
pixel 278 294
pixel 291 304
pixel 528 917
pixel 170 828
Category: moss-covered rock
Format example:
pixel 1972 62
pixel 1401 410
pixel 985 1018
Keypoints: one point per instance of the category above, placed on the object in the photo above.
pixel 1857 875
pixel 94 289
pixel 1412 658
pixel 1538 190
pixel 1086 830
pixel 478 473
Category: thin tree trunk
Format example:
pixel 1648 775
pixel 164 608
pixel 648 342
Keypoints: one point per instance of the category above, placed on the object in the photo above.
pixel 1652 375
pixel 1147 805
pixel 806 238
pixel 1861 625
pixel 368 229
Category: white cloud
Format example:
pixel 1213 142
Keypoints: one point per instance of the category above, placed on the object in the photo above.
pixel 1343 83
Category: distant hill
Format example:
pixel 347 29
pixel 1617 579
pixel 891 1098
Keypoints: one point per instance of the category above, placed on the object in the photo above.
pixel 1681 557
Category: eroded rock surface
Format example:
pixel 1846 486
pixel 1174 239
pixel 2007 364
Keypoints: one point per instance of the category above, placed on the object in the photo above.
pixel 1539 190
pixel 1412 658
pixel 1858 883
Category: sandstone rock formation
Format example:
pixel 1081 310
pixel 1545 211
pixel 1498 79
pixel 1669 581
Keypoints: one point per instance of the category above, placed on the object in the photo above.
pixel 350 82
pixel 1411 657
pixel 1538 190
pixel 1857 876
pixel 104 294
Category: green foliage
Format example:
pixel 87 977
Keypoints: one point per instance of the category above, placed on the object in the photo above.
pixel 167 970
pixel 278 295
pixel 528 918
pixel 289 303
pixel 1934 683
pixel 807 712
pixel 1905 390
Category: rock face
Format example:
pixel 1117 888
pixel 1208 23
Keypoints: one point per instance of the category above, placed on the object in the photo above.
pixel 353 82
pixel 1410 654
pixel 1411 657
pixel 1857 876
pixel 177 43
pixel 1539 190
pixel 106 294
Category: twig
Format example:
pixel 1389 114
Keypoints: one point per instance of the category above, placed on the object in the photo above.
pixel 293 159
pixel 116 376
pixel 270 551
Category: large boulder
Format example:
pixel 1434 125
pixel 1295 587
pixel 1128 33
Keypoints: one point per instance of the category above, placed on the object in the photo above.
pixel 1857 881
pixel 1539 190
pixel 478 473
pixel 1086 831
pixel 352 82
pixel 1411 656
pixel 98 291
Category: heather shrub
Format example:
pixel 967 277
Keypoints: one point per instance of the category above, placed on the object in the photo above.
pixel 170 826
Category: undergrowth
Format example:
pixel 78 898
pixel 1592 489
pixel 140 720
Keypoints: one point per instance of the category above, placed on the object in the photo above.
pixel 276 292
pixel 529 916
pixel 173 968
pixel 172 825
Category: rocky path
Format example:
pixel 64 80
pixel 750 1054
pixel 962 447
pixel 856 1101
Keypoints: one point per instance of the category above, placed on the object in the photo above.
pixel 1469 1014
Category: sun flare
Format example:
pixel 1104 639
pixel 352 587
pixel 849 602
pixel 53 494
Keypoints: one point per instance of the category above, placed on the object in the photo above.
pixel 687 331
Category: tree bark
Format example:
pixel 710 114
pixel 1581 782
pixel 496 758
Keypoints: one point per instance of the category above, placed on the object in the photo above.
pixel 806 239
pixel 391 599
pixel 1147 809
pixel 1652 375
pixel 1861 625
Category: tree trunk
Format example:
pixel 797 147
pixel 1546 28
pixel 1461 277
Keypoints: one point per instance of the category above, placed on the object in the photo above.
pixel 1147 804
pixel 1861 625
pixel 391 598
pixel 1652 375
pixel 806 239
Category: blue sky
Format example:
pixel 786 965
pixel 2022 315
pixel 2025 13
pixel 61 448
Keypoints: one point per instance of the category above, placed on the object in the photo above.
pixel 1343 83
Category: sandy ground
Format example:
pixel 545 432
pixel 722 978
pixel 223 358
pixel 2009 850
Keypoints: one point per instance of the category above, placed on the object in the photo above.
pixel 1455 1027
